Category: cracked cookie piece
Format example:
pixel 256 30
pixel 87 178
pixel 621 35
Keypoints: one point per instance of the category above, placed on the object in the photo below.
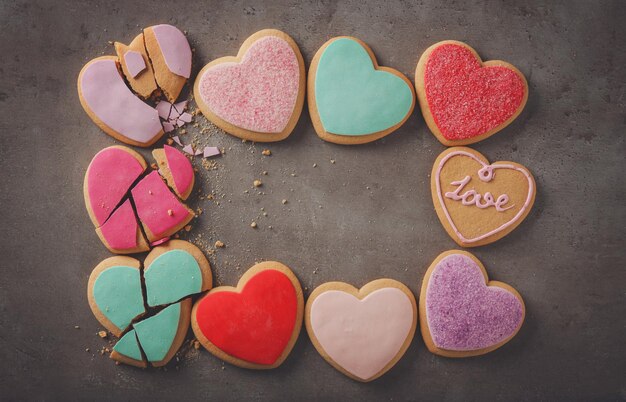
pixel 173 272
pixel 137 66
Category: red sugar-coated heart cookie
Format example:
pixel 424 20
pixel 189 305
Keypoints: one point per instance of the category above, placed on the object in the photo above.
pixel 463 99
pixel 256 324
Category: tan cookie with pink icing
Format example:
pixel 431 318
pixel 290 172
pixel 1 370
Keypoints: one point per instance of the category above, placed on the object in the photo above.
pixel 479 202
pixel 363 332
pixel 257 95
pixel 157 59
pixel 133 209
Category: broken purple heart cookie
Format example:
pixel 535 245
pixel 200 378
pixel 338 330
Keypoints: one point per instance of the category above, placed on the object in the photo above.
pixel 157 63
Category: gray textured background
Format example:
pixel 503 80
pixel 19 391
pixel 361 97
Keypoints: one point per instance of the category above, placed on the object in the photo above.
pixel 366 216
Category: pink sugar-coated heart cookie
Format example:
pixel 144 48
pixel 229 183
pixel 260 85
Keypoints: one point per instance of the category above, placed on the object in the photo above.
pixel 463 99
pixel 361 332
pixel 114 107
pixel 464 314
pixel 257 95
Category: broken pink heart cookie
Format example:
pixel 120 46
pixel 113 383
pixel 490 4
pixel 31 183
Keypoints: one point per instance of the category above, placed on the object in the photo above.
pixel 464 314
pixel 259 94
pixel 114 107
pixel 122 199
pixel 476 201
pixel 151 326
pixel 363 332
pixel 159 58
pixel 463 99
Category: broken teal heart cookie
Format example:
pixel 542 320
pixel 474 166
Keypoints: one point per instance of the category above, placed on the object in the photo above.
pixel 153 324
pixel 351 96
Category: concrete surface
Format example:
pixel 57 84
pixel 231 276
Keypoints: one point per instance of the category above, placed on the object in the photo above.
pixel 366 216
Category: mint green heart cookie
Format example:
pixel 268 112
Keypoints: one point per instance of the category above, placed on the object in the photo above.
pixel 352 97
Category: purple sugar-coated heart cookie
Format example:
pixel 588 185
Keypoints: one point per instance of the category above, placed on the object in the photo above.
pixel 463 313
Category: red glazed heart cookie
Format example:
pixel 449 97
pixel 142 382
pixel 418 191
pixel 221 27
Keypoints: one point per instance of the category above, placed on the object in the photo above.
pixel 257 95
pixel 464 314
pixel 463 99
pixel 256 324
pixel 478 202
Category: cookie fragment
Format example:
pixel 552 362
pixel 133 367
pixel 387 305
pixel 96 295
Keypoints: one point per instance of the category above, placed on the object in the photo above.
pixel 142 82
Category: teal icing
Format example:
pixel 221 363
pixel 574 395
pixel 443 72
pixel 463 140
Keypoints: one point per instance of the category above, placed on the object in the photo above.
pixel 128 346
pixel 172 276
pixel 352 97
pixel 117 293
pixel 156 334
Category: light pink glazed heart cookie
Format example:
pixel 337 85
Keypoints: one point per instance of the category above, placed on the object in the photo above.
pixel 259 94
pixel 462 313
pixel 476 201
pixel 362 333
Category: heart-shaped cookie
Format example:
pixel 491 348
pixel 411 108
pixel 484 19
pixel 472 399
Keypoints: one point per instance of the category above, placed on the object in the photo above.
pixel 353 100
pixel 478 202
pixel 256 324
pixel 160 56
pixel 117 171
pixel 259 94
pixel 172 273
pixel 463 99
pixel 361 332
pixel 462 313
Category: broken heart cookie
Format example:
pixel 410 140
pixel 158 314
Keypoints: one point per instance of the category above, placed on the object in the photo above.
pixel 159 58
pixel 256 324
pixel 464 314
pixel 176 169
pixel 122 199
pixel 259 94
pixel 361 332
pixel 478 202
pixel 153 325
pixel 463 99
pixel 353 100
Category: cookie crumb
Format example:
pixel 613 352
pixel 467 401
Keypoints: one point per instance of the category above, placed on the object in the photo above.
pixel 86 349
pixel 170 141
pixel 102 334
pixel 265 173
pixel 196 345
pixel 284 202
pixel 187 228
pixel 253 225
pixel 257 183
pixel 219 244
pixel 266 152
pixel 332 161
pixel 315 165
pixel 76 327
pixel 150 191
pixel 154 167
pixel 170 212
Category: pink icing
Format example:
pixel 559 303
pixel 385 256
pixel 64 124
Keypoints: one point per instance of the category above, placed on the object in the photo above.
pixel 120 230
pixel 362 336
pixel 463 313
pixel 108 97
pixel 159 242
pixel 490 169
pixel 175 49
pixel 211 151
pixel 153 200
pixel 134 62
pixel 258 94
pixel 189 149
pixel 164 108
pixel 181 169
pixel 109 176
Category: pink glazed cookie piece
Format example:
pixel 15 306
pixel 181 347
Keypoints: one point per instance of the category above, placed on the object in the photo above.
pixel 257 95
pixel 109 176
pixel 462 313
pixel 159 211
pixel 114 107
pixel 121 233
pixel 170 54
pixel 176 169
